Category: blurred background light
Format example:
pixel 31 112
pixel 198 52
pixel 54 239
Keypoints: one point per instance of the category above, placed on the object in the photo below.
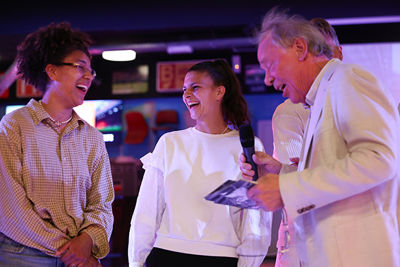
pixel 119 55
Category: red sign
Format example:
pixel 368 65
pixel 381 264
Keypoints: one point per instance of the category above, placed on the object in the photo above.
pixel 25 90
pixel 170 75
pixel 5 92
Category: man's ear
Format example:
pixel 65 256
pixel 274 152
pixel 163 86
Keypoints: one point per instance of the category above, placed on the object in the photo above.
pixel 340 53
pixel 220 92
pixel 51 69
pixel 301 48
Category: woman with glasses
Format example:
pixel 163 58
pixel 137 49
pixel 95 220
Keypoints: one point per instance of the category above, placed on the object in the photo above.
pixel 57 191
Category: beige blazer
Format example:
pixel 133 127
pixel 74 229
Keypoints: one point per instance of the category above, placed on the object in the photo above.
pixel 344 197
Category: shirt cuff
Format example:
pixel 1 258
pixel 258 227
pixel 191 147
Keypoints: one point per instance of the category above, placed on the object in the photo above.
pixel 98 235
pixel 136 264
pixel 250 261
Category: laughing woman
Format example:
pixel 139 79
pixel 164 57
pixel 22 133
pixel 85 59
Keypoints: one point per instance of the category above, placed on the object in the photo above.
pixel 173 225
pixel 56 186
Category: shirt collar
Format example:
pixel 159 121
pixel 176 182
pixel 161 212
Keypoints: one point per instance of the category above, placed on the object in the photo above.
pixel 310 97
pixel 41 114
pixel 38 111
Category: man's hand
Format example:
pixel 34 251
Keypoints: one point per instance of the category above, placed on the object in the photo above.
pixel 266 164
pixel 266 192
pixel 77 251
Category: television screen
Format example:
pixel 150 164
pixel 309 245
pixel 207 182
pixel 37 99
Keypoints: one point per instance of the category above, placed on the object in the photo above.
pixel 10 108
pixel 105 115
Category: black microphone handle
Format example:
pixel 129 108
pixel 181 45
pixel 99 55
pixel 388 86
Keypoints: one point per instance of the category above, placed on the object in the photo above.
pixel 248 152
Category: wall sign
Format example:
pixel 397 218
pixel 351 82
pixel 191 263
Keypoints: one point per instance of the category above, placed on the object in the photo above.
pixel 170 75
pixel 25 90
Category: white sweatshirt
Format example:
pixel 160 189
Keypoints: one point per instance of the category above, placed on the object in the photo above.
pixel 171 212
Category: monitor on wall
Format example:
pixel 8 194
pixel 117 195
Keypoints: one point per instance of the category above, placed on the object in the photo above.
pixel 11 108
pixel 105 115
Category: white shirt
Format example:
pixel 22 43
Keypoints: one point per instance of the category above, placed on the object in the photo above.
pixel 171 212
pixel 288 124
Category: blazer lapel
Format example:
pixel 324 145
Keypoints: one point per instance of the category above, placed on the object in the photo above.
pixel 315 115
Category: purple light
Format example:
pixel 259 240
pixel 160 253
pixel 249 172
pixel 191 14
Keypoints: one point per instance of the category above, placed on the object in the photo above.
pixel 364 20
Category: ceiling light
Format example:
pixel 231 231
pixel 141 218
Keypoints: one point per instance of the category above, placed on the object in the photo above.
pixel 119 55
pixel 179 49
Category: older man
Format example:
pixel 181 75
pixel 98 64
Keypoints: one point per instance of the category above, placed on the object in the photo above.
pixel 288 124
pixel 343 197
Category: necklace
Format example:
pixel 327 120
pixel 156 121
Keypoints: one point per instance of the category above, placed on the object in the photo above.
pixel 225 130
pixel 56 123
pixel 59 123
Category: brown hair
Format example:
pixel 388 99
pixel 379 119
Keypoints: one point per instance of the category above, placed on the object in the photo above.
pixel 48 45
pixel 234 106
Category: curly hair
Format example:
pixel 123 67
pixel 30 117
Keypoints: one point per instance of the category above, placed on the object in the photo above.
pixel 234 106
pixel 48 45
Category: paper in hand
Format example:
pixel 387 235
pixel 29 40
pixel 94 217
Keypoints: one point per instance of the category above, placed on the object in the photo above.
pixel 233 193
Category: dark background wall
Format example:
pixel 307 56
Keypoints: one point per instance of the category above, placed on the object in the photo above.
pixel 120 22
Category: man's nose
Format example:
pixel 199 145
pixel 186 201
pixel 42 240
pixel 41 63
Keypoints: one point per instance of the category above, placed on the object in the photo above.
pixel 268 80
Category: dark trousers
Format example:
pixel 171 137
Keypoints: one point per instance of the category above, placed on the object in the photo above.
pixel 165 258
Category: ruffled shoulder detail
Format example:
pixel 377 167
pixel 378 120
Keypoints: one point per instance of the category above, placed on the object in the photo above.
pixel 152 160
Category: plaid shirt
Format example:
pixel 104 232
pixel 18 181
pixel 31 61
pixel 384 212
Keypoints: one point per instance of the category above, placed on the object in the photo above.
pixel 53 186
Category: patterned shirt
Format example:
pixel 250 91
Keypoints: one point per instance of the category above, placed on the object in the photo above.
pixel 53 186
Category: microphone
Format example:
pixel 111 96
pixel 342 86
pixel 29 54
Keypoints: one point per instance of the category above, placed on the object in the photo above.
pixel 247 140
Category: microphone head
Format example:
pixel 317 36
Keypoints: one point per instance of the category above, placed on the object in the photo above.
pixel 246 135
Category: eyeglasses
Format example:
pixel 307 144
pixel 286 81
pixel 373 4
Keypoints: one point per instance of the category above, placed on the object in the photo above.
pixel 82 69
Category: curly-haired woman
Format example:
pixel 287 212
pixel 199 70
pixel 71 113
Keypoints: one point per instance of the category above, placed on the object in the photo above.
pixel 57 191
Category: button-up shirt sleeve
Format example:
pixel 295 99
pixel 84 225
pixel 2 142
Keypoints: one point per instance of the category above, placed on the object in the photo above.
pixel 98 217
pixel 19 220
